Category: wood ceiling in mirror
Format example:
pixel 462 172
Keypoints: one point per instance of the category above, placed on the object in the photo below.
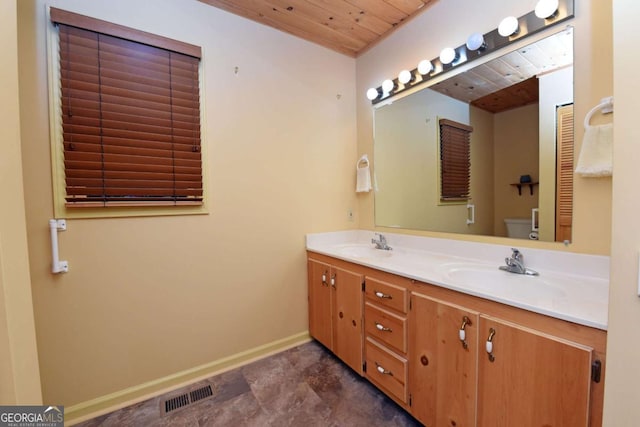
pixel 518 95
pixel 345 26
pixel 510 81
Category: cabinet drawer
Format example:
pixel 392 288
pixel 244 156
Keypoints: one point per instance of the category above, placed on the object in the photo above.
pixel 387 294
pixel 386 327
pixel 387 370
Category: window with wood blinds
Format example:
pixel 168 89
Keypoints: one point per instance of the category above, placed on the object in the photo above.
pixel 130 111
pixel 455 160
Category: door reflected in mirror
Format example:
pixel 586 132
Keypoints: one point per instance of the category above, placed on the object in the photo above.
pixel 520 107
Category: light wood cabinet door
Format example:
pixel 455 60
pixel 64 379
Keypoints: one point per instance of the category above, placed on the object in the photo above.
pixel 442 370
pixel 320 302
pixel 346 288
pixel 534 379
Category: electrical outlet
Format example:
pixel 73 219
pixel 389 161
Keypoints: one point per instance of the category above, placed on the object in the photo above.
pixel 350 215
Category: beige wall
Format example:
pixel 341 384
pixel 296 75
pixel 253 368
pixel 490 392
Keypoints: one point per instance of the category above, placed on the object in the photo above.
pixel 513 160
pixel 623 347
pixel 443 25
pixel 19 373
pixel 555 89
pixel 482 171
pixel 148 297
pixel 407 180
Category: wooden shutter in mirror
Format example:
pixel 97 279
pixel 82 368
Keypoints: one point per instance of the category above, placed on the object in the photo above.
pixel 564 172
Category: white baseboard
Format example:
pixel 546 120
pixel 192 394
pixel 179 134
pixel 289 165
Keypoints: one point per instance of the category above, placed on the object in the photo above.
pixel 120 399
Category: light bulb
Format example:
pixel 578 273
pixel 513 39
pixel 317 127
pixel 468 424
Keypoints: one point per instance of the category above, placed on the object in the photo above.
pixel 425 66
pixel 476 42
pixel 372 94
pixel 508 26
pixel 388 86
pixel 546 8
pixel 448 55
pixel 405 77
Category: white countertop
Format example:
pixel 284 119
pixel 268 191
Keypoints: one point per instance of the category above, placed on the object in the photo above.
pixel 572 287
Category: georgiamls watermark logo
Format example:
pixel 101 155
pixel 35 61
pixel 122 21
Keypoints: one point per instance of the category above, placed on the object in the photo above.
pixel 32 416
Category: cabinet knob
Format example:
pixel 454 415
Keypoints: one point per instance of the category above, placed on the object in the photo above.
pixel 489 345
pixel 381 327
pixel 333 280
pixel 382 295
pixel 383 371
pixel 462 333
pixel 324 279
pixel 424 360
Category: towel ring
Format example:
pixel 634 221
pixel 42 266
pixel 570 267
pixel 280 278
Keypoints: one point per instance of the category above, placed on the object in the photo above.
pixel 605 106
pixel 364 161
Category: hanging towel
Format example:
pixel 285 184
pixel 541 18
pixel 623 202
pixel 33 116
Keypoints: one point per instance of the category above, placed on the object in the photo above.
pixel 363 177
pixel 596 154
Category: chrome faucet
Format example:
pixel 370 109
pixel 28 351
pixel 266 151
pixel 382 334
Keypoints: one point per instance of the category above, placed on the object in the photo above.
pixel 381 243
pixel 515 264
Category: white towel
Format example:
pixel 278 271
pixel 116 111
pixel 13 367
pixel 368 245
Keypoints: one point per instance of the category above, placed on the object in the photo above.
pixel 596 154
pixel 363 177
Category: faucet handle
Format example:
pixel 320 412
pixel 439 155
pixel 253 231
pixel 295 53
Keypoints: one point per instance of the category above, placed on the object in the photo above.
pixel 516 254
pixel 381 237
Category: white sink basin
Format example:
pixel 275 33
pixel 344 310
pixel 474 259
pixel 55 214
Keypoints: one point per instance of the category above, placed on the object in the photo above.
pixel 363 251
pixel 491 279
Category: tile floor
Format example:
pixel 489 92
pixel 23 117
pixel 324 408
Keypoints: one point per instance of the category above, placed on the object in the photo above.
pixel 305 386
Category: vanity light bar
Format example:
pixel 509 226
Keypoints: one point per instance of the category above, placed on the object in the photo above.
pixel 528 25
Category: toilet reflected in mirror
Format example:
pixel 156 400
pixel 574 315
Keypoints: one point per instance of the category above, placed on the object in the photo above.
pixel 520 228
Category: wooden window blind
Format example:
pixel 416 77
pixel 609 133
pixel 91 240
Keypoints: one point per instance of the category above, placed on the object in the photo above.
pixel 130 116
pixel 455 160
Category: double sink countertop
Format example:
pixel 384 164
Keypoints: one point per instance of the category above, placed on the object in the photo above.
pixel 570 286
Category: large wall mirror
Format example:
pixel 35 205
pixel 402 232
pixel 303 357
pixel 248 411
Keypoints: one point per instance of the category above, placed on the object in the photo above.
pixel 520 109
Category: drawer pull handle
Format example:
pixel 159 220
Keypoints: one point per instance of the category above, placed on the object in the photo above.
pixel 462 333
pixel 382 370
pixel 381 327
pixel 489 345
pixel 382 295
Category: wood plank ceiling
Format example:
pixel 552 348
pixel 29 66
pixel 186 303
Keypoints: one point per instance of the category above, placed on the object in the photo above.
pixel 352 26
pixel 346 26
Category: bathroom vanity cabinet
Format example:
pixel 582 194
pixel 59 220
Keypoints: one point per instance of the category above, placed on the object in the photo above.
pixel 453 359
pixel 335 309
pixel 385 336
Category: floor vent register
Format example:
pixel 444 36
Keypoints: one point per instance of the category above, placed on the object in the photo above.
pixel 185 399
